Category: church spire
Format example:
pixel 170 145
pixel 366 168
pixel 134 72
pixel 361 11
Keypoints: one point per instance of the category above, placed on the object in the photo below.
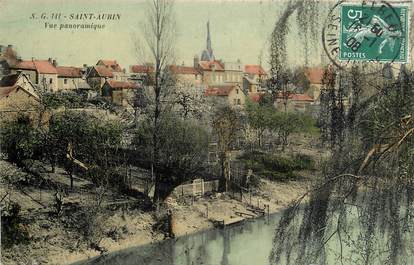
pixel 209 38
pixel 207 54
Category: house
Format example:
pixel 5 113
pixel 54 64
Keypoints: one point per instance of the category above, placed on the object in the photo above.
pixel 43 73
pixel 226 94
pixel 117 71
pixel 17 96
pixel 233 72
pixel 186 75
pixel 315 76
pixel 213 72
pixel 141 74
pixel 254 78
pixel 97 75
pixel 294 102
pixel 71 78
pixel 119 92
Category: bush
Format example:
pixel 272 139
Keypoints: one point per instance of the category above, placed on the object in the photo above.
pixel 13 230
pixel 276 167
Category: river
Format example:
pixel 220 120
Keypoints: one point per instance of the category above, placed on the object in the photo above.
pixel 246 244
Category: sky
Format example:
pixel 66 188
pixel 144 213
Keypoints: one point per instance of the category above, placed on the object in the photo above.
pixel 239 30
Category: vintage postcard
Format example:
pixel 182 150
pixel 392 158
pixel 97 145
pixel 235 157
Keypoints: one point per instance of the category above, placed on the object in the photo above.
pixel 207 132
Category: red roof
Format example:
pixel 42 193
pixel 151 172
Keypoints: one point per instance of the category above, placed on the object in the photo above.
pixel 315 75
pixel 42 67
pixel 121 84
pixel 255 97
pixel 141 69
pixel 296 97
pixel 210 65
pixel 254 69
pixel 183 70
pixel 110 64
pixel 103 71
pixel 218 91
pixel 69 71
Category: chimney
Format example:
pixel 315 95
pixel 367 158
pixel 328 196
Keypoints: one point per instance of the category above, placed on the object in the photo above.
pixel 85 65
pixel 10 46
pixel 33 59
pixel 196 61
pixel 54 62
pixel 50 60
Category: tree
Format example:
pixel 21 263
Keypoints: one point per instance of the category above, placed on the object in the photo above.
pixel 260 118
pixel 226 125
pixel 287 123
pixel 183 150
pixel 300 80
pixel 83 141
pixel 363 200
pixel 159 31
pixel 20 140
pixel 190 100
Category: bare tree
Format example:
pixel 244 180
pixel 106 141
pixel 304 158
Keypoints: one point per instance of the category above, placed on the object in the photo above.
pixel 159 32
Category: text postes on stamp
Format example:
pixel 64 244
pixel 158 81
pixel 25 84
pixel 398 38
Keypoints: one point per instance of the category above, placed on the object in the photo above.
pixel 373 32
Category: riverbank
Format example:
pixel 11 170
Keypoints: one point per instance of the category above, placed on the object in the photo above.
pixel 51 243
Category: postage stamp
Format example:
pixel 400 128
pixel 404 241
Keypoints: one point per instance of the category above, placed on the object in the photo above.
pixel 375 31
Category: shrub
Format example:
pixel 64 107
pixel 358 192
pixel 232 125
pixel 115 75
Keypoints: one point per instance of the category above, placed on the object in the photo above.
pixel 13 230
pixel 276 167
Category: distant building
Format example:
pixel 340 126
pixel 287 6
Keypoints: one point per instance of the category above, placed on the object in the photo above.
pixel 216 72
pixel 118 72
pixel 119 92
pixel 43 73
pixel 315 76
pixel 294 102
pixel 254 78
pixel 97 75
pixel 17 96
pixel 186 75
pixel 71 78
pixel 233 73
pixel 229 94
pixel 213 73
pixel 141 74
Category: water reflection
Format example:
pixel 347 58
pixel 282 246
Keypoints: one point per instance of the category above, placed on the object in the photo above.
pixel 245 244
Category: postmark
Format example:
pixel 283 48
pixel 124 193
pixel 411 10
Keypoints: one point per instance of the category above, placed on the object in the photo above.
pixel 374 32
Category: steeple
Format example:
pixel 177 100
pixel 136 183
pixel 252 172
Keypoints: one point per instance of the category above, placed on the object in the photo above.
pixel 209 38
pixel 207 54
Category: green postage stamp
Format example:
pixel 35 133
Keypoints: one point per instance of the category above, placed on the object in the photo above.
pixel 375 31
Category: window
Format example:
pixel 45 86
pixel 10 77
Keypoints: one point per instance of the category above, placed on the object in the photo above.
pixel 65 81
pixel 237 91
pixel 238 102
pixel 50 81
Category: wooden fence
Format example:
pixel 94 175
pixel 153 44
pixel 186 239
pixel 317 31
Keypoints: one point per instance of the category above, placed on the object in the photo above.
pixel 197 188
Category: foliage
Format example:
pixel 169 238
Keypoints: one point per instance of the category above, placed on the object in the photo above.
pixel 277 167
pixel 13 230
pixel 63 99
pixel 363 202
pixel 226 126
pixel 265 117
pixel 20 140
pixel 77 136
pixel 182 152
